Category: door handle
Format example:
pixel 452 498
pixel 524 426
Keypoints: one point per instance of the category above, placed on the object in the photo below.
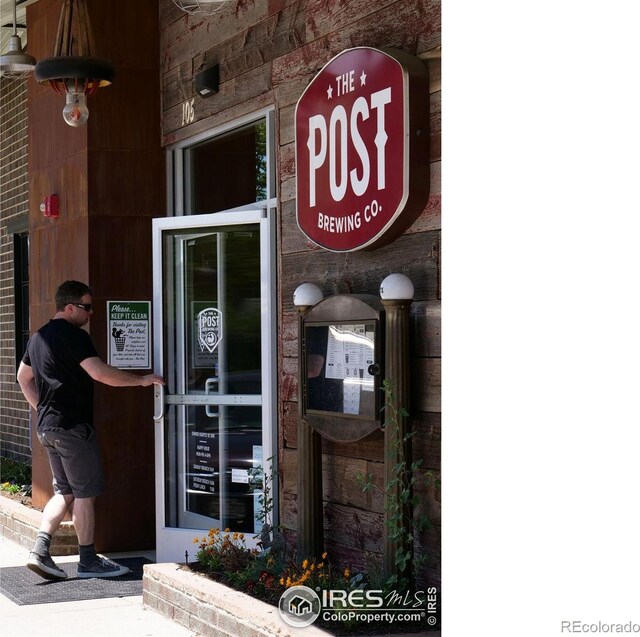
pixel 208 386
pixel 159 397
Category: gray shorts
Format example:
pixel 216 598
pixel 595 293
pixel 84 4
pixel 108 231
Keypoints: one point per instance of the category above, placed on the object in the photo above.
pixel 74 457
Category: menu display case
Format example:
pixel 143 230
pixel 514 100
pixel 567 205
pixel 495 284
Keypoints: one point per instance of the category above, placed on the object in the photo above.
pixel 341 358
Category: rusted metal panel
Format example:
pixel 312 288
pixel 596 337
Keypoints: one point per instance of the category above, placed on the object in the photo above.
pixel 110 177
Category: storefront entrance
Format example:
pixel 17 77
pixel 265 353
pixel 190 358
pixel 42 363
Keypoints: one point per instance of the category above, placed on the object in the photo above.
pixel 214 334
pixel 213 344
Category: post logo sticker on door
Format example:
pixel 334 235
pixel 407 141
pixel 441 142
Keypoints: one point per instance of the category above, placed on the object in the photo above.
pixel 209 328
pixel 362 148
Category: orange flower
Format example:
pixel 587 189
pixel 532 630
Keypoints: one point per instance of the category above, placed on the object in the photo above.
pixel 324 555
pixel 347 572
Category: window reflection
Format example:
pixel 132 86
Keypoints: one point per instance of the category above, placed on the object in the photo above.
pixel 230 170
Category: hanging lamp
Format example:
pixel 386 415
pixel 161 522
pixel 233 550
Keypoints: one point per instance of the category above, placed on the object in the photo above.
pixel 15 63
pixel 73 71
pixel 206 7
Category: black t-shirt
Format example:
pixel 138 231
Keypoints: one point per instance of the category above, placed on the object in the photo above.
pixel 65 390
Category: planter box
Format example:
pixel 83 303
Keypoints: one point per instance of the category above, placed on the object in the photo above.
pixel 20 524
pixel 211 609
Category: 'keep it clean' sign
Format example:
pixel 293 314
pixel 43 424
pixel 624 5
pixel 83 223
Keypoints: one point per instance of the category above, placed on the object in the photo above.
pixel 129 335
pixel 362 149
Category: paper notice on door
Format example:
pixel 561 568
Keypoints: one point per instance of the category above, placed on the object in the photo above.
pixel 240 475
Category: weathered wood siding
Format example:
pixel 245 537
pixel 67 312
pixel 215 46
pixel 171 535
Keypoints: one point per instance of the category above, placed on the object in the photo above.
pixel 268 52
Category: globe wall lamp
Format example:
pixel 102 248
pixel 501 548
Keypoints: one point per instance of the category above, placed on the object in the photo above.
pixel 306 296
pixel 73 71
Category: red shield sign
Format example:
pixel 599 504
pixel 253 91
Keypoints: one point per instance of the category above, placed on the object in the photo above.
pixel 362 149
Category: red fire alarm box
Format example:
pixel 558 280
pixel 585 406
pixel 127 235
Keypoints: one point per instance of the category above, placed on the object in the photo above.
pixel 51 206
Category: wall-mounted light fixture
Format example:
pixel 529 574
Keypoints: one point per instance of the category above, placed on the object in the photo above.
pixel 306 296
pixel 72 71
pixel 15 63
pixel 208 81
pixel 396 287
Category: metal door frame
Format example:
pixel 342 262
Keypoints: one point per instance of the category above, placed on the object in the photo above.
pixel 171 543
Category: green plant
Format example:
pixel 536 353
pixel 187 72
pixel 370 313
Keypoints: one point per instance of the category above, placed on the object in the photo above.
pixel 259 578
pixel 224 552
pixel 262 483
pixel 14 471
pixel 15 476
pixel 402 525
pixel 10 488
pixel 224 556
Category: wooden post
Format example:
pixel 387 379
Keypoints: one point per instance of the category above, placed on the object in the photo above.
pixel 396 449
pixel 309 502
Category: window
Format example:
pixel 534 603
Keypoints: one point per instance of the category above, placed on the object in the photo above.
pixel 229 170
pixel 21 291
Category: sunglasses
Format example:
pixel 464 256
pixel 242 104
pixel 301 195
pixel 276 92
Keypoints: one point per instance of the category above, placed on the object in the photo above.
pixel 83 306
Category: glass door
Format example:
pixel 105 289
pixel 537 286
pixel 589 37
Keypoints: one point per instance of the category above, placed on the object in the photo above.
pixel 214 344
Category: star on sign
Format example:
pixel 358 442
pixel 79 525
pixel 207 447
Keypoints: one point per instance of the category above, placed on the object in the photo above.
pixel 330 92
pixel 363 79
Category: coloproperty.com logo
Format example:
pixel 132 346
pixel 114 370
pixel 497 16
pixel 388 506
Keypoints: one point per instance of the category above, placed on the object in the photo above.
pixel 300 606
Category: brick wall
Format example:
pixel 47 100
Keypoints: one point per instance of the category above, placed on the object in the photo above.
pixel 14 206
pixel 212 609
pixel 20 524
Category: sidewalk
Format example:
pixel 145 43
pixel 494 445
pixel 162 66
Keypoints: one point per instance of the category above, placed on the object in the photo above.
pixel 124 616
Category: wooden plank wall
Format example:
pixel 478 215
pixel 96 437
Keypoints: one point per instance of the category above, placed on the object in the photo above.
pixel 268 52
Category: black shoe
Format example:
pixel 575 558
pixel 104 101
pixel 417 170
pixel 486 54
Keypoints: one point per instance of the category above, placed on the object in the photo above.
pixel 44 566
pixel 102 567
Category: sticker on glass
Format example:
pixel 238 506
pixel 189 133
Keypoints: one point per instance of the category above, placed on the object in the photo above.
pixel 209 328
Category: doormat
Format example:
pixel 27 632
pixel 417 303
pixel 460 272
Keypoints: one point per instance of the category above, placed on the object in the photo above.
pixel 24 587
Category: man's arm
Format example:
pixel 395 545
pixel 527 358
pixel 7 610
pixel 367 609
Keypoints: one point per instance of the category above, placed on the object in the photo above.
pixel 27 384
pixel 103 373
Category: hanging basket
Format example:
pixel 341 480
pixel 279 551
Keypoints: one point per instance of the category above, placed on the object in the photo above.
pixel 205 7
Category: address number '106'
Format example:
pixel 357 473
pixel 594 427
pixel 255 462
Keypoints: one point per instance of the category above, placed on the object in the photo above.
pixel 188 111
